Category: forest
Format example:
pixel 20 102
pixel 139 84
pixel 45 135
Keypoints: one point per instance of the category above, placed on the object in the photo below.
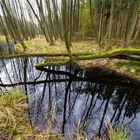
pixel 69 69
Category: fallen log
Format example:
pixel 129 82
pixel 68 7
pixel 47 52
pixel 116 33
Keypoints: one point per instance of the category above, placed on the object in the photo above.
pixel 81 56
pixel 41 55
pixel 126 54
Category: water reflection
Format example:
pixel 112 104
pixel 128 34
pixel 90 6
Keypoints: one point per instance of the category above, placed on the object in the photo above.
pixel 71 98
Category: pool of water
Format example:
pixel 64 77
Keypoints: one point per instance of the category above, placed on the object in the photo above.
pixel 72 99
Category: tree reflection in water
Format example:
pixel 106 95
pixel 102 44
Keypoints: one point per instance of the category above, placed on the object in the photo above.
pixel 74 99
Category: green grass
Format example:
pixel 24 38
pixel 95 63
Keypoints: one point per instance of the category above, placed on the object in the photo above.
pixel 130 63
pixel 131 68
pixel 117 134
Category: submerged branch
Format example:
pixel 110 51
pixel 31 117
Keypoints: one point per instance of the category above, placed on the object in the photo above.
pixel 112 78
pixel 97 79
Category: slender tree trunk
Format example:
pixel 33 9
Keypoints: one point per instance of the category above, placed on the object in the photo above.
pixel 111 18
pixel 66 32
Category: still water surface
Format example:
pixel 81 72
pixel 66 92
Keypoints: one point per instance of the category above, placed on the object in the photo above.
pixel 70 99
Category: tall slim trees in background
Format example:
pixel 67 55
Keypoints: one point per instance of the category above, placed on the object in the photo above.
pixel 119 20
pixel 14 23
pixel 105 20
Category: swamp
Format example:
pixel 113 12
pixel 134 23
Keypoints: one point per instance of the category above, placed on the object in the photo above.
pixel 69 70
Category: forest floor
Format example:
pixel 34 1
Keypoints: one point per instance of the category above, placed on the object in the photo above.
pixel 127 68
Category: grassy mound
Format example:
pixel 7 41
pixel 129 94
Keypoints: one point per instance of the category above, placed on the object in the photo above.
pixel 13 117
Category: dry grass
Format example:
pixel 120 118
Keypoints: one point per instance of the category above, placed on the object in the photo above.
pixel 39 45
pixel 13 116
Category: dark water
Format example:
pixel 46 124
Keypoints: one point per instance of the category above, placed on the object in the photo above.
pixel 71 98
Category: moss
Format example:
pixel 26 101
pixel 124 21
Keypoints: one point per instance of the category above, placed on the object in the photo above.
pixel 99 55
pixel 129 51
pixel 55 63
